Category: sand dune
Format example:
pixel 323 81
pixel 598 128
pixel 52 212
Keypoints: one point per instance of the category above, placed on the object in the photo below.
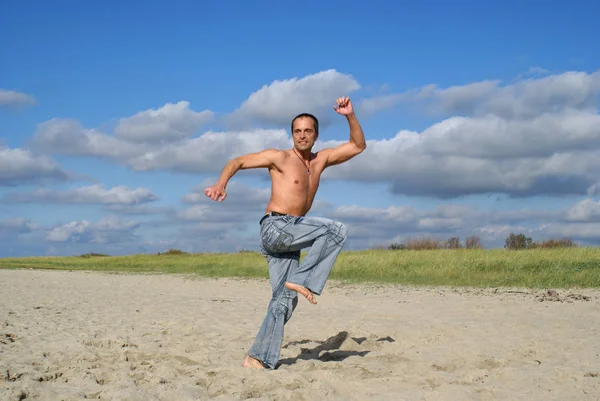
pixel 79 335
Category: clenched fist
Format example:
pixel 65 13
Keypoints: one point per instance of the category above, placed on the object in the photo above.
pixel 216 193
pixel 344 106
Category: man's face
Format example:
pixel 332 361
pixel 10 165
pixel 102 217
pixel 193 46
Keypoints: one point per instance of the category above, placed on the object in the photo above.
pixel 304 134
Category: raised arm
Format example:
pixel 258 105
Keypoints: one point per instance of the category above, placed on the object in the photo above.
pixel 355 145
pixel 263 159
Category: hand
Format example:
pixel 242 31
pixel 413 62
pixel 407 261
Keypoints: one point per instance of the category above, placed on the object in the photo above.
pixel 216 193
pixel 344 106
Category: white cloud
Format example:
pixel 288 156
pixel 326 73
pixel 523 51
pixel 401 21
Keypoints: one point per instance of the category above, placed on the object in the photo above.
pixel 14 98
pixel 529 98
pixel 68 137
pixel 553 153
pixel 108 230
pixel 374 104
pixel 532 137
pixel 584 210
pixel 93 194
pixel 171 122
pixel 526 98
pixel 138 209
pixel 215 238
pixel 20 166
pixel 16 226
pixel 579 232
pixel 534 70
pixel 141 133
pixel 227 227
pixel 239 195
pixel 279 102
pixel 20 237
pixel 69 231
pixel 243 204
pixel 208 153
pixel 370 227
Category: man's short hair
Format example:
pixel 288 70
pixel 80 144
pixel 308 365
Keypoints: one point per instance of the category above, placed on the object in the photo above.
pixel 315 121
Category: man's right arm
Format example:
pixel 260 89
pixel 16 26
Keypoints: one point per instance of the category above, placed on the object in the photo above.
pixel 263 159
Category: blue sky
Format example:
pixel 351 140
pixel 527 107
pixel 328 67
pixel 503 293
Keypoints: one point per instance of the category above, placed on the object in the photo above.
pixel 481 119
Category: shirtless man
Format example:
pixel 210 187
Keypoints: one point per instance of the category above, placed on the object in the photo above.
pixel 285 230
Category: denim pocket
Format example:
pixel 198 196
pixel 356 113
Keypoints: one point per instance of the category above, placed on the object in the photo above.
pixel 268 233
pixel 273 236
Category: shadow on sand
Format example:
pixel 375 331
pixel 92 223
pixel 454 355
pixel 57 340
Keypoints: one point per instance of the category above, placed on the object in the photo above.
pixel 335 348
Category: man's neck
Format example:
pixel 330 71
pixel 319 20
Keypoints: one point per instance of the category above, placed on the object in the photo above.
pixel 305 154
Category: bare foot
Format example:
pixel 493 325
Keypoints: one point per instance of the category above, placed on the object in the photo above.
pixel 250 362
pixel 302 290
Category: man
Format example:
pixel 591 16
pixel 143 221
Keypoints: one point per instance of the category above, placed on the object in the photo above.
pixel 284 228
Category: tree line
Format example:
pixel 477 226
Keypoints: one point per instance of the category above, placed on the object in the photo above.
pixel 512 242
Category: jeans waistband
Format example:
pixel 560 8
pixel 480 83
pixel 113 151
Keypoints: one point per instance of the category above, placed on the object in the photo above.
pixel 271 214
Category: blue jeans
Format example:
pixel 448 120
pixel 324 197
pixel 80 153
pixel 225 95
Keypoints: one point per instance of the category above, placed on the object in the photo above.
pixel 282 239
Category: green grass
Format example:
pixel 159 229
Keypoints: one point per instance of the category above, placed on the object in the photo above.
pixel 536 268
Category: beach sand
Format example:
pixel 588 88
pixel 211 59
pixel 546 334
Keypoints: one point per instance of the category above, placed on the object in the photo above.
pixel 69 335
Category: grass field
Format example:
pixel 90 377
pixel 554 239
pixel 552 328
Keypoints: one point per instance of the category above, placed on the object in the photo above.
pixel 536 268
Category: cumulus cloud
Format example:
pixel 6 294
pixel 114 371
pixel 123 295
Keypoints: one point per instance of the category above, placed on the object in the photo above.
pixel 93 194
pixel 414 164
pixel 108 230
pixel 20 237
pixel 585 210
pixel 372 105
pixel 239 195
pixel 202 238
pixel 526 98
pixel 14 98
pixel 16 226
pixel 206 153
pixel 138 209
pixel 587 233
pixel 243 204
pixel 220 228
pixel 535 136
pixel 133 136
pixel 20 166
pixel 68 137
pixel 171 122
pixel 233 226
pixel 280 101
pixel 209 152
pixel 372 227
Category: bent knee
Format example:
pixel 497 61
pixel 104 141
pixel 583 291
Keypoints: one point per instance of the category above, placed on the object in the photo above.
pixel 340 231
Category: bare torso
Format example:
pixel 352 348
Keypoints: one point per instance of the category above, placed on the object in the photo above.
pixel 293 189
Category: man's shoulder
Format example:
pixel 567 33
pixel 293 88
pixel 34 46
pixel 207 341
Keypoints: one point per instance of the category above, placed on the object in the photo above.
pixel 275 152
pixel 323 153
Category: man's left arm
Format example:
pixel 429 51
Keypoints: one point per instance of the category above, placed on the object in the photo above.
pixel 355 145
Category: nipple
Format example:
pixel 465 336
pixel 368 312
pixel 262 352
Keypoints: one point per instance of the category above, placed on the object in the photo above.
pixel 295 181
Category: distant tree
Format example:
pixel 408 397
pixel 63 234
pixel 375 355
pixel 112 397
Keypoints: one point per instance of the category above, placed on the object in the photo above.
pixel 171 252
pixel 558 243
pixel 518 241
pixel 453 243
pixel 424 243
pixel 473 242
pixel 93 255
pixel 397 247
